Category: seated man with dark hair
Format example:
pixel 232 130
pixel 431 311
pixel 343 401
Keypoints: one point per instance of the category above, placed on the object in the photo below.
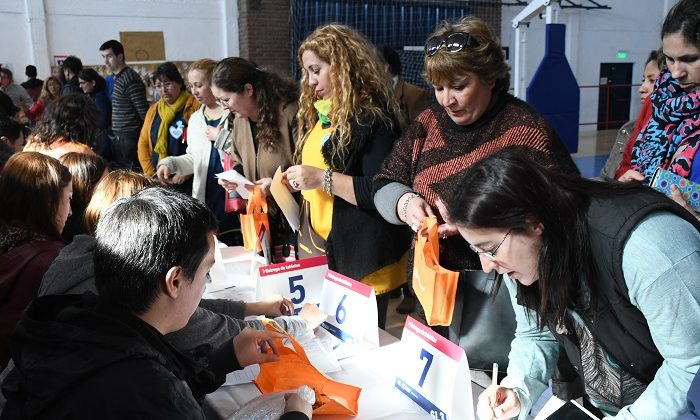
pixel 85 357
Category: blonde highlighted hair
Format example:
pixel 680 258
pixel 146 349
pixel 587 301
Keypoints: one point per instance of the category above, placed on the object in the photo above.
pixel 45 94
pixel 486 59
pixel 114 185
pixel 359 85
pixel 205 65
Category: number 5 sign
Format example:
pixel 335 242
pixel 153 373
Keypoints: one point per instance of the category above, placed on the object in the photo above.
pixel 352 314
pixel 301 280
pixel 434 373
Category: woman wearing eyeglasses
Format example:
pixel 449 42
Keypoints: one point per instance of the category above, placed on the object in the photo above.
pixel 474 118
pixel 164 131
pixel 594 281
pixel 347 126
pixel 258 135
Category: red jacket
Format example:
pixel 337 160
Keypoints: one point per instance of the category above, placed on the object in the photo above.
pixel 642 119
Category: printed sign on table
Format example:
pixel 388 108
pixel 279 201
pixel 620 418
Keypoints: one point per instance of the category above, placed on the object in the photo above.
pixel 435 373
pixel 301 280
pixel 352 314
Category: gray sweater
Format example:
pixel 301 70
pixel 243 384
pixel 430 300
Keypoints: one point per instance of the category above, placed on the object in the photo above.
pixel 215 321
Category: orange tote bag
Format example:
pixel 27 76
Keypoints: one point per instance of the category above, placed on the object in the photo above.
pixel 254 219
pixel 434 286
pixel 293 370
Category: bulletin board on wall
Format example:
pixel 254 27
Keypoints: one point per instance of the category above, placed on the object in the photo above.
pixel 143 46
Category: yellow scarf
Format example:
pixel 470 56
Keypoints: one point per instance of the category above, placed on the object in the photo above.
pixel 167 114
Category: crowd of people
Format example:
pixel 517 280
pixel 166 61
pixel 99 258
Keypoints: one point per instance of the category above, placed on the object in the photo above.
pixel 111 207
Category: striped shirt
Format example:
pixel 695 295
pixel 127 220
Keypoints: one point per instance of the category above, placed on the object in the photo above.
pixel 129 104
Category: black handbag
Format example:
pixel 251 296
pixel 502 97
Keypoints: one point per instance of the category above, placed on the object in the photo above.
pixel 310 243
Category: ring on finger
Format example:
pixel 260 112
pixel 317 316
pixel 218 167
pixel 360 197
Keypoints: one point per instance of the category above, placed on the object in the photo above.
pixel 294 184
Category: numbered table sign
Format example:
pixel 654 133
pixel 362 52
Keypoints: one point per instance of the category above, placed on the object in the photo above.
pixel 434 373
pixel 301 280
pixel 352 314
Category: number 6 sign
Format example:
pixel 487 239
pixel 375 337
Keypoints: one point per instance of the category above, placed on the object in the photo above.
pixel 300 280
pixel 434 373
pixel 352 310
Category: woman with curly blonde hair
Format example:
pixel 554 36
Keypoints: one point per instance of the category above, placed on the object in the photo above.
pixel 347 125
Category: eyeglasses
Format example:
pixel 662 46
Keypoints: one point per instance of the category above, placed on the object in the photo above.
pixel 166 85
pixel 453 42
pixel 222 101
pixel 490 255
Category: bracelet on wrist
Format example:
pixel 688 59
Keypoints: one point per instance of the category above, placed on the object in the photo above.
pixel 404 208
pixel 327 183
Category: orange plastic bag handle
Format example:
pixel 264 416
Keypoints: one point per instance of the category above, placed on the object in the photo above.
pixel 256 201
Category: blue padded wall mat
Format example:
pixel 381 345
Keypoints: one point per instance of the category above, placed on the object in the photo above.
pixel 554 91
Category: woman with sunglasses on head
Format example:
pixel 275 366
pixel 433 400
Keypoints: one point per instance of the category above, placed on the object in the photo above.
pixel 595 282
pixel 164 131
pixel 475 117
pixel 258 135
pixel 347 126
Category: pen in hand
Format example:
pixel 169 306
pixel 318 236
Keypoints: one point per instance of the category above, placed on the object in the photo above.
pixel 494 385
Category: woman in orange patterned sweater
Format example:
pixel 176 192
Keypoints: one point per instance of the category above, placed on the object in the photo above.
pixel 474 118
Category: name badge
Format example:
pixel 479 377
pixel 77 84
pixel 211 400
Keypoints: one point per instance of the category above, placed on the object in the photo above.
pixel 434 373
pixel 352 314
pixel 301 280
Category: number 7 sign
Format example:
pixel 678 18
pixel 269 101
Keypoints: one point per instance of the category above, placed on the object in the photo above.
pixel 434 373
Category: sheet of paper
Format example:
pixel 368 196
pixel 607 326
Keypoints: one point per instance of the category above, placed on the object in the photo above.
pixel 243 376
pixel 320 353
pixel 285 200
pixel 233 176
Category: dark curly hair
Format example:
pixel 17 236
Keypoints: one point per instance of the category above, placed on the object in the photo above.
pixel 72 117
pixel 270 90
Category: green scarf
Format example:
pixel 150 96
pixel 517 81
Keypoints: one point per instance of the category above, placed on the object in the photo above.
pixel 167 114
pixel 323 108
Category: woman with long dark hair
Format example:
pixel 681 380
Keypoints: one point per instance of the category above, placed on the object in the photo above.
pixel 94 85
pixel 258 134
pixel 604 274
pixel 36 192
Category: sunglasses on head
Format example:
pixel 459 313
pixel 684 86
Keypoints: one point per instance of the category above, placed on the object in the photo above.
pixel 453 42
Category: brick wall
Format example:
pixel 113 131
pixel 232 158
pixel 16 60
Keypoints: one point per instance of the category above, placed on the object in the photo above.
pixel 265 33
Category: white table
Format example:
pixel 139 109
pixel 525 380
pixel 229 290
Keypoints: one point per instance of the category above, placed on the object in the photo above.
pixel 374 370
